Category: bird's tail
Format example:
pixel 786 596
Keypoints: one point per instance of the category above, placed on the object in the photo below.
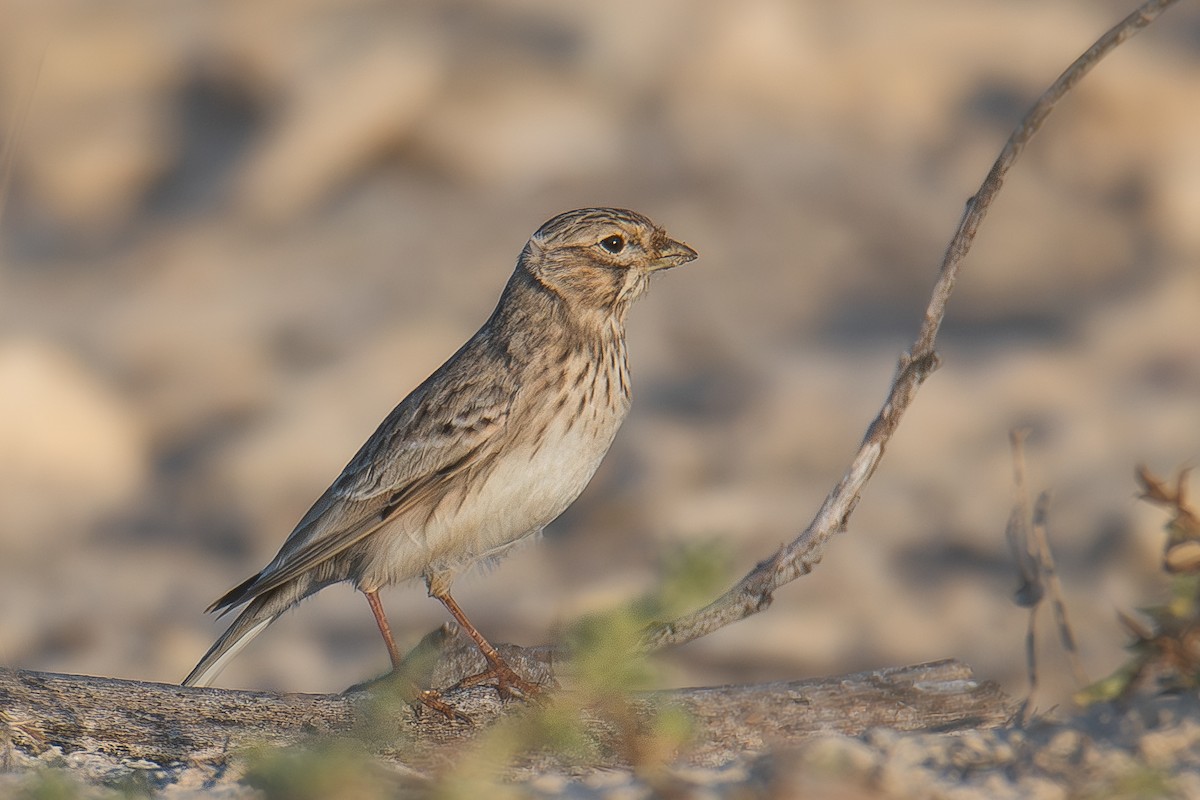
pixel 257 615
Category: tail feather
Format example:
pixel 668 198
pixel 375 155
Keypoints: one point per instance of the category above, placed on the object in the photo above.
pixel 254 618
pixel 260 611
pixel 240 633
pixel 233 597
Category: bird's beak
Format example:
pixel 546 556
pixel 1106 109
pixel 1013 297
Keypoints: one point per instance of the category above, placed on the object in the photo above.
pixel 672 254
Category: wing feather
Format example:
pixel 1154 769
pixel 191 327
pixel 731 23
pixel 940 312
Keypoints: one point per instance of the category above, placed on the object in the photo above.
pixel 408 462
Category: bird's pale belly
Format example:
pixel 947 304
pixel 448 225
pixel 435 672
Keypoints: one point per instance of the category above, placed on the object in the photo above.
pixel 527 489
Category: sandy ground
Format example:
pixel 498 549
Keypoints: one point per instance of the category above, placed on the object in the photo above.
pixel 236 235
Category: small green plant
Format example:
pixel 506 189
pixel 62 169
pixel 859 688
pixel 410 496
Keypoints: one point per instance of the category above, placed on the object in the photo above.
pixel 1166 637
pixel 336 768
pixel 1139 783
pixel 598 719
pixel 51 784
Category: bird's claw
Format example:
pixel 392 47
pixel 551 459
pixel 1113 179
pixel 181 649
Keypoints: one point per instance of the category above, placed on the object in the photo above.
pixel 432 699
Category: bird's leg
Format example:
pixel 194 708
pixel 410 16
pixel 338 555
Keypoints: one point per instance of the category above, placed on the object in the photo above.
pixel 429 697
pixel 384 628
pixel 508 682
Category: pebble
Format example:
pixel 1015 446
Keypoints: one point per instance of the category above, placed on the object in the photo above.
pixel 1039 788
pixel 1057 753
pixel 840 755
pixel 1162 748
pixel 1187 784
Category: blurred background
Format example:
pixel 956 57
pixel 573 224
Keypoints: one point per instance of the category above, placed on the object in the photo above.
pixel 236 234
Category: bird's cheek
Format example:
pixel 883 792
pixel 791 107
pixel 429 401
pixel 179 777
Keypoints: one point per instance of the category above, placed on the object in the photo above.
pixel 634 284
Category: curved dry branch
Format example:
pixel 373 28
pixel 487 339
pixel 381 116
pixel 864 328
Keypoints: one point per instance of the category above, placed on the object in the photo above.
pixel 754 592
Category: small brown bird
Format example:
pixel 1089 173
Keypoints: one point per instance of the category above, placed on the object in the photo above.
pixel 489 449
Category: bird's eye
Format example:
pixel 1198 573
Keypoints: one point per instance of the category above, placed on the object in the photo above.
pixel 613 244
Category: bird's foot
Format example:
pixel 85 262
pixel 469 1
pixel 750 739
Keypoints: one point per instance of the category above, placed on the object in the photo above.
pixel 400 684
pixel 509 684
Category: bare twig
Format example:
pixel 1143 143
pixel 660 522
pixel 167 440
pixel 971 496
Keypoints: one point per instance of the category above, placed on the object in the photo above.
pixel 1031 591
pixel 1050 576
pixel 755 591
pixel 1030 547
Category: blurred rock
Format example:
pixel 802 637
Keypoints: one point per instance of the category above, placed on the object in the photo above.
pixel 71 452
pixel 339 118
pixel 100 130
pixel 523 129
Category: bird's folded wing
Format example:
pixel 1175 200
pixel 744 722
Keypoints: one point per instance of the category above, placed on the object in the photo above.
pixel 422 445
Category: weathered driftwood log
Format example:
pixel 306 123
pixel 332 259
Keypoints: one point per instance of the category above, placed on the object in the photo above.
pixel 165 723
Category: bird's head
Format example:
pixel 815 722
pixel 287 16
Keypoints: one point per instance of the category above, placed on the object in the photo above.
pixel 601 258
